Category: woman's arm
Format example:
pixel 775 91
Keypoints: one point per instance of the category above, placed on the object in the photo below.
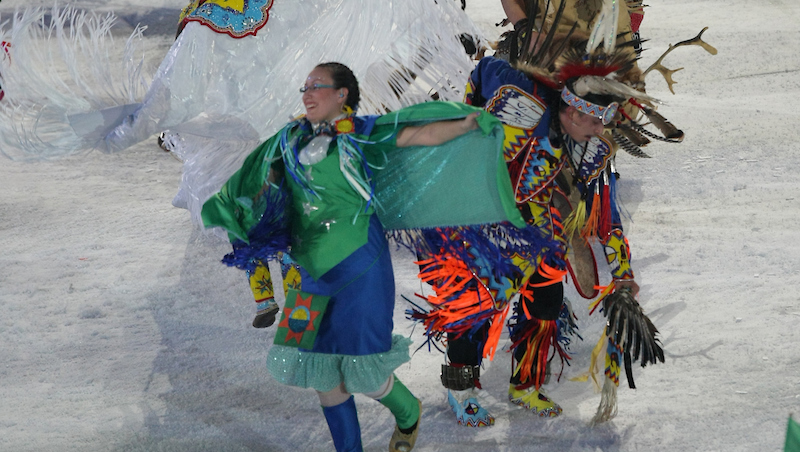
pixel 436 133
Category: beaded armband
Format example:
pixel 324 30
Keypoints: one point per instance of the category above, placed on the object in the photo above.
pixel 618 255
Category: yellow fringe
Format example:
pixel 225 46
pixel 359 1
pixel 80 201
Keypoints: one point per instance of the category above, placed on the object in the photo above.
pixel 576 219
pixel 595 367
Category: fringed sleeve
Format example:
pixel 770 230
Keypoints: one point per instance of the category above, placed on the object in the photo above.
pixel 252 209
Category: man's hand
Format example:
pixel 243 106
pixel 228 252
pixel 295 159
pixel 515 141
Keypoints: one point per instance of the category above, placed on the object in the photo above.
pixel 627 284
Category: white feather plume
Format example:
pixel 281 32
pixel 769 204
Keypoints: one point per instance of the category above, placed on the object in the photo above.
pixel 602 85
pixel 605 29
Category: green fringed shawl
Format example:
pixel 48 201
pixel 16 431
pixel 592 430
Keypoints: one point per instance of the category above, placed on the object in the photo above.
pixel 461 182
pixel 464 181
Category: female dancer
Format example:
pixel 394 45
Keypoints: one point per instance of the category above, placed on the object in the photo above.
pixel 309 189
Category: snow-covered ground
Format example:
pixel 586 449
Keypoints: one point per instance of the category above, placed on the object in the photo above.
pixel 121 331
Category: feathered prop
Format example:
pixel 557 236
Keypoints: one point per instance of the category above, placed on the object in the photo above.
pixel 671 133
pixel 630 140
pixel 630 334
pixel 629 327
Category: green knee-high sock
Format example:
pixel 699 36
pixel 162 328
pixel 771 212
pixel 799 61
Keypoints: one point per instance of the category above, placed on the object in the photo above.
pixel 403 405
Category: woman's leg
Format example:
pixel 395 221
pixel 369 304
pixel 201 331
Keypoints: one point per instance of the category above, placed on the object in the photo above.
pixel 407 411
pixel 339 408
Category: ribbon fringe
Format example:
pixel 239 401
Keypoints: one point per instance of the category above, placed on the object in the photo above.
pixel 462 304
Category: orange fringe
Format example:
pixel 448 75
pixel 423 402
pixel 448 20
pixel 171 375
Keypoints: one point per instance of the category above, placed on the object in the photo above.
pixel 592 224
pixel 604 293
pixel 538 351
pixel 552 274
pixel 449 276
pixel 498 321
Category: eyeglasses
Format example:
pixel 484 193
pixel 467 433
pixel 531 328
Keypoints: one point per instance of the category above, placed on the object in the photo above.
pixel 315 87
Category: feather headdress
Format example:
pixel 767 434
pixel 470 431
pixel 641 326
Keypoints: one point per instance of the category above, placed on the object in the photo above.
pixel 590 61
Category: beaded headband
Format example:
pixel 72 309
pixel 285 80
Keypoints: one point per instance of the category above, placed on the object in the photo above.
pixel 605 114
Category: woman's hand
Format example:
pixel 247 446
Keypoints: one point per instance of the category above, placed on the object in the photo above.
pixel 470 122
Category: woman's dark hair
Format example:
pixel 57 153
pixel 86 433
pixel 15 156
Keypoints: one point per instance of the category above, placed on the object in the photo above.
pixel 343 77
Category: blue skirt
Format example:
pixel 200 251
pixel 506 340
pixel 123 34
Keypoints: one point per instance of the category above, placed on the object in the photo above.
pixel 355 345
pixel 358 320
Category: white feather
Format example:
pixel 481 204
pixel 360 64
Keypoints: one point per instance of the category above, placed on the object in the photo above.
pixel 61 62
pixel 602 85
pixel 605 28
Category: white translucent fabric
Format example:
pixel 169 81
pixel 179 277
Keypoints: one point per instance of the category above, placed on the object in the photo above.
pixel 208 163
pixel 62 62
pixel 255 79
pixel 394 40
pixel 249 85
pixel 219 96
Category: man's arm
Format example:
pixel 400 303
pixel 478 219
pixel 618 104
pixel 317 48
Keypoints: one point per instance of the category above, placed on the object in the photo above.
pixel 514 9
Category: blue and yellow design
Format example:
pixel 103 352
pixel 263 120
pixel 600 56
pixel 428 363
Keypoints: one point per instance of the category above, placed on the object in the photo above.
pixel 613 361
pixel 618 255
pixel 599 151
pixel 541 165
pixel 261 283
pixel 237 18
pixel 521 114
pixel 291 273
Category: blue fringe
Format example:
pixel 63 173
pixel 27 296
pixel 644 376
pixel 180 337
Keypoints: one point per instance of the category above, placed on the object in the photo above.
pixel 567 326
pixel 268 237
pixel 495 244
pixel 432 341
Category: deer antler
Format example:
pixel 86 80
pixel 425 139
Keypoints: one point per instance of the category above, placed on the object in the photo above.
pixel 667 73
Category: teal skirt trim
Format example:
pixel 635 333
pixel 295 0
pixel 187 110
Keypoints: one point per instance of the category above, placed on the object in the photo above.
pixel 324 372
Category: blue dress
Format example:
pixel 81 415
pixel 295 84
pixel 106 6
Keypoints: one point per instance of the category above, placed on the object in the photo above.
pixel 354 343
